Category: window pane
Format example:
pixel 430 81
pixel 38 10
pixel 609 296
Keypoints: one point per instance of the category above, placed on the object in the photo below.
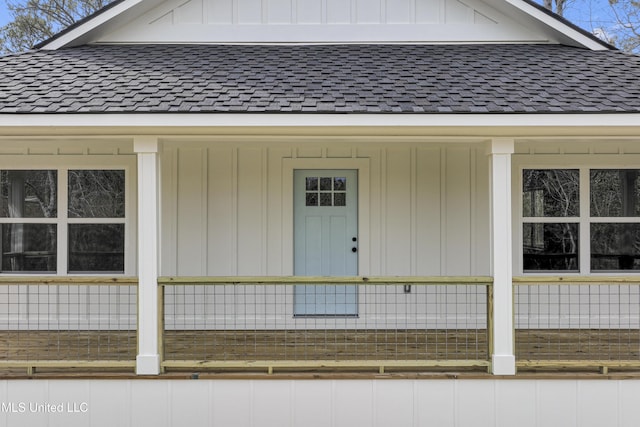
pixel 312 184
pixel 325 184
pixel 312 199
pixel 29 194
pixel 325 199
pixel 615 246
pixel 550 192
pixel 550 247
pixel 96 247
pixel 96 194
pixel 615 192
pixel 29 248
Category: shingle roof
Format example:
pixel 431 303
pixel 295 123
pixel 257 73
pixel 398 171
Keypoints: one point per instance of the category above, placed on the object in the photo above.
pixel 320 79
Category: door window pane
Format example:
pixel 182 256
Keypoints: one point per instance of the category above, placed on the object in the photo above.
pixel 96 194
pixel 312 199
pixel 615 246
pixel 615 193
pixel 311 184
pixel 326 191
pixel 550 246
pixel 325 184
pixel 96 248
pixel 29 193
pixel 29 248
pixel 325 199
pixel 550 192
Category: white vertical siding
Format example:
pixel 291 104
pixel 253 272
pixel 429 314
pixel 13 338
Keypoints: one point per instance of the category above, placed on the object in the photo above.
pixel 428 211
pixel 250 254
pixel 332 403
pixel 313 404
pixel 458 211
pixel 397 214
pixel 323 21
pixel 223 208
pixel 222 218
pixel 190 207
pixel 320 11
pixel 230 401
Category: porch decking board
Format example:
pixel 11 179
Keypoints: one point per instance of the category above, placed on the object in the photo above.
pixel 68 345
pixel 309 345
pixel 539 347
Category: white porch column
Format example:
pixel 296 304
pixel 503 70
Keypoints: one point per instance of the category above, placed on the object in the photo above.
pixel 503 358
pixel 148 359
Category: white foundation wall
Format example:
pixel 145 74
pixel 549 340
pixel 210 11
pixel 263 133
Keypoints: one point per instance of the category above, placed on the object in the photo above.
pixel 321 402
pixel 225 208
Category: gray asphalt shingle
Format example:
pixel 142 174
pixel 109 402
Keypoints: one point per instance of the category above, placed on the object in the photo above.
pixel 320 79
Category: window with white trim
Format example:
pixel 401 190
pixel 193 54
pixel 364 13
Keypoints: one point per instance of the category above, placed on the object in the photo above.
pixel 580 220
pixel 62 220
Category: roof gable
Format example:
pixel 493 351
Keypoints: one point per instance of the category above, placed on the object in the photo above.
pixel 324 21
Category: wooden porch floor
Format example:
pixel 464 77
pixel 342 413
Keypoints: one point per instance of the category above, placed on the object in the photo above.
pixel 348 345
pixel 341 345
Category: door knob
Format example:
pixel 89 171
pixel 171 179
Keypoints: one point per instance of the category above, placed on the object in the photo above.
pixel 354 249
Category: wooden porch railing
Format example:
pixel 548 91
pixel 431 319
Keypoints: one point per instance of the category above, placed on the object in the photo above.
pixel 68 322
pixel 577 322
pixel 249 323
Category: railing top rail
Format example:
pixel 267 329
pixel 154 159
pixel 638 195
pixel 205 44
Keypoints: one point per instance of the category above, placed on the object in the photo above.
pixel 346 280
pixel 67 280
pixel 576 280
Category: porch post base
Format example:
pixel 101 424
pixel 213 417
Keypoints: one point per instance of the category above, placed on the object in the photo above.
pixel 503 364
pixel 148 364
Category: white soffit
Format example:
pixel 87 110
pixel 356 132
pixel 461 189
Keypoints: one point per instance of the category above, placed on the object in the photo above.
pixel 323 21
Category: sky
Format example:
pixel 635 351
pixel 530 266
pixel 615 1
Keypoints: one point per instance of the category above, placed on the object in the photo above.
pixel 4 15
pixel 580 12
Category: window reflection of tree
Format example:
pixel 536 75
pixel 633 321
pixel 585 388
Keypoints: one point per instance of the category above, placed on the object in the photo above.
pixel 615 194
pixel 32 245
pixel 559 250
pixel 551 193
pixel 29 194
pixel 96 194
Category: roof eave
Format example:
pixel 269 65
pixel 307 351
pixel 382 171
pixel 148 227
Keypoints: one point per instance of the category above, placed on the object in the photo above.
pixel 82 31
pixel 561 25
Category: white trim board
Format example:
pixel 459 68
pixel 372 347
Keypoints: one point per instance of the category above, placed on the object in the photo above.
pixel 214 120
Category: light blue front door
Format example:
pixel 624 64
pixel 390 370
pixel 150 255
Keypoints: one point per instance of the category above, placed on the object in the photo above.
pixel 325 240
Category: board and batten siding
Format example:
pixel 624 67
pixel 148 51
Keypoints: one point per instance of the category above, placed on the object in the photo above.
pixel 323 21
pixel 223 208
pixel 318 402
pixel 324 11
